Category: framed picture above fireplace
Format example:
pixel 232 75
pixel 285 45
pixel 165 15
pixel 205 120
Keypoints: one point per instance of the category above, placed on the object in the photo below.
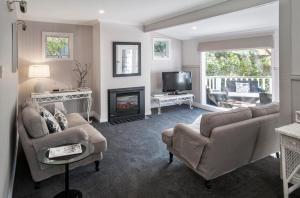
pixel 126 59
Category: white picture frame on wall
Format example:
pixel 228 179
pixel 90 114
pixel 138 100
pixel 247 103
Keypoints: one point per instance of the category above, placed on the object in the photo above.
pixel 57 46
pixel 161 49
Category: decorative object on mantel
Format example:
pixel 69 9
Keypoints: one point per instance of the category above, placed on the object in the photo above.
pixel 39 71
pixel 126 59
pixel 297 116
pixel 161 49
pixel 81 71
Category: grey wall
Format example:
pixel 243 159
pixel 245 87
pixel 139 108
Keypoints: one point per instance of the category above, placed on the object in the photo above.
pixel 159 66
pixel 62 76
pixel 8 100
pixel 289 41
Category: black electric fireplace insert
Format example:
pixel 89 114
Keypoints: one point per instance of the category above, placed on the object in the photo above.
pixel 126 104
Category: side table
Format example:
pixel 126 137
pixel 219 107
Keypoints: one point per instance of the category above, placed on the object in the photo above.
pixel 290 157
pixel 87 149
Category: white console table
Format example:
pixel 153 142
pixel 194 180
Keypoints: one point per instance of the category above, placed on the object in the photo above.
pixel 42 98
pixel 168 100
pixel 290 157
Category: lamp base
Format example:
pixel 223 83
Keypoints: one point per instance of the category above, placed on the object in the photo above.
pixel 39 88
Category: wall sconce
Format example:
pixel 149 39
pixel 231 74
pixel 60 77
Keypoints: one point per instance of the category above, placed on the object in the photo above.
pixel 22 3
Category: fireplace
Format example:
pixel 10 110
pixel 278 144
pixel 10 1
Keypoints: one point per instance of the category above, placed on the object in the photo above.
pixel 126 104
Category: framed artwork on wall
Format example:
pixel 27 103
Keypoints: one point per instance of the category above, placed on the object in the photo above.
pixel 57 46
pixel 161 49
pixel 126 59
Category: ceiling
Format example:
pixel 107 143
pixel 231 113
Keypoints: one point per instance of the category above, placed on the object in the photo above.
pixel 255 20
pixel 134 12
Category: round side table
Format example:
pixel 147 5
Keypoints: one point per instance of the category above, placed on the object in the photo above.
pixel 87 149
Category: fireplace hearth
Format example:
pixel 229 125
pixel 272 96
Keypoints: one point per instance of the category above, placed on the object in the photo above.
pixel 126 104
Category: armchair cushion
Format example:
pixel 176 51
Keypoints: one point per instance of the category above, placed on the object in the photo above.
pixel 56 105
pixel 52 124
pixel 34 123
pixel 212 120
pixel 75 119
pixel 61 119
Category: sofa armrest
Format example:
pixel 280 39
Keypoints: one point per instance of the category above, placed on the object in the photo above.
pixel 191 133
pixel 68 136
pixel 189 144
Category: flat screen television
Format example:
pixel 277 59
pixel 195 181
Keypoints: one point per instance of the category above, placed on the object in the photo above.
pixel 176 81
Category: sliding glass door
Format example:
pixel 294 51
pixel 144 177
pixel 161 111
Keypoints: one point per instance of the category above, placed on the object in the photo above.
pixel 237 78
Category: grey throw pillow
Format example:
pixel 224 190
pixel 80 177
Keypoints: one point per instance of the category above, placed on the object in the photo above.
pixel 57 105
pixel 52 124
pixel 61 119
pixel 34 123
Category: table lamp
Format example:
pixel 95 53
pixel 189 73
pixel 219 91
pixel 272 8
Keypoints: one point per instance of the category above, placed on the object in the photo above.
pixel 39 71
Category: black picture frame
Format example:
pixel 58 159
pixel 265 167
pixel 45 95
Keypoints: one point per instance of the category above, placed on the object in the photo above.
pixel 115 45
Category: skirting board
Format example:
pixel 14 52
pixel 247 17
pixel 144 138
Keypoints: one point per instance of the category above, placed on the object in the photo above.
pixel 92 114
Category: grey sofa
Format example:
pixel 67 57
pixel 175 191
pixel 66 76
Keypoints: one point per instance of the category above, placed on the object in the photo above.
pixel 218 143
pixel 79 129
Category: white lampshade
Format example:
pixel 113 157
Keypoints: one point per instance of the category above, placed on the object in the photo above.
pixel 39 71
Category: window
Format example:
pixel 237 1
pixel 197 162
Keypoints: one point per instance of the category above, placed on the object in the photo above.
pixel 238 78
pixel 57 46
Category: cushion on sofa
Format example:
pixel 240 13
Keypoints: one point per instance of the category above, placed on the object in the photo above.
pixel 95 137
pixel 56 105
pixel 34 123
pixel 265 110
pixel 61 119
pixel 212 120
pixel 51 122
pixel 75 119
pixel 167 136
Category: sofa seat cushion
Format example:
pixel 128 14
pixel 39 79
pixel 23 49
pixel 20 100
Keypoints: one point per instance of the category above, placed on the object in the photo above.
pixel 167 136
pixel 264 110
pixel 75 119
pixel 34 123
pixel 210 121
pixel 95 137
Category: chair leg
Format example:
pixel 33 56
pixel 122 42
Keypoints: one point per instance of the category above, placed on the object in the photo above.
pixel 208 184
pixel 170 157
pixel 277 155
pixel 37 185
pixel 97 165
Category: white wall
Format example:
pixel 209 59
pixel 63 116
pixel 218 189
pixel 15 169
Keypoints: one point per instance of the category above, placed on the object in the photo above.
pixel 8 100
pixel 110 32
pixel 159 66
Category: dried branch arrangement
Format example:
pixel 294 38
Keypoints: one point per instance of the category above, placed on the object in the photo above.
pixel 81 71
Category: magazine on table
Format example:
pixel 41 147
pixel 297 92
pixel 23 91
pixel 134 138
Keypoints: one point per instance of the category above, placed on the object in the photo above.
pixel 65 150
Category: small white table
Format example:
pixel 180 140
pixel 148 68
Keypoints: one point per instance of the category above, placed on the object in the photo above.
pixel 42 98
pixel 168 100
pixel 290 157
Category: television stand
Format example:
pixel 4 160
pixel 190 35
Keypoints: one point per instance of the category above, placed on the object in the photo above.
pixel 177 93
pixel 169 100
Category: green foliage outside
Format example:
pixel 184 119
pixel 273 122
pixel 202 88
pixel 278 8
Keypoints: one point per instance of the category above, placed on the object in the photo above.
pixel 254 62
pixel 56 46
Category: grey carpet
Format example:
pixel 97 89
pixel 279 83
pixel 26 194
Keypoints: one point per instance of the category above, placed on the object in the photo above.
pixel 135 166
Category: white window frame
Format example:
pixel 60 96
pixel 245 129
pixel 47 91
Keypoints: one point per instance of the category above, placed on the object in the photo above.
pixel 57 34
